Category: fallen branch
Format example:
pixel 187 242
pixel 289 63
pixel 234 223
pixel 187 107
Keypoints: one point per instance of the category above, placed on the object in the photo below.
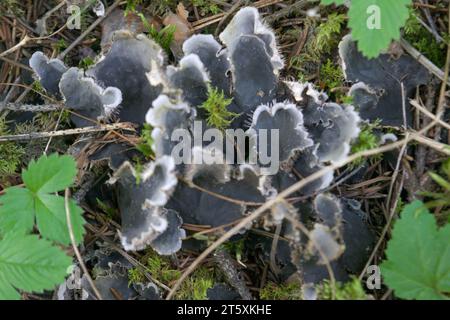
pixel 13 106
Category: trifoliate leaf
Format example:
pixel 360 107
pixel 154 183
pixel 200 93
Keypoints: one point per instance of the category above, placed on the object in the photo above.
pixel 30 264
pixel 418 256
pixel 50 174
pixel 375 23
pixel 20 207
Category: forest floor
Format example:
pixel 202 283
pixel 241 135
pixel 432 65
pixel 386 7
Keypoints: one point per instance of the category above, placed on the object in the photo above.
pixel 308 36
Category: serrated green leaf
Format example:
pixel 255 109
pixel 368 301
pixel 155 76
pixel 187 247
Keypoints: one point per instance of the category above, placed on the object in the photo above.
pixel 51 219
pixel 20 207
pixel 418 256
pixel 16 210
pixel 375 23
pixel 30 264
pixel 50 174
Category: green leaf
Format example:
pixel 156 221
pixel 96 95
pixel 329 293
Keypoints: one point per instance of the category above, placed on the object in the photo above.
pixel 418 256
pixel 328 2
pixel 50 174
pixel 30 264
pixel 375 23
pixel 51 219
pixel 16 210
pixel 20 207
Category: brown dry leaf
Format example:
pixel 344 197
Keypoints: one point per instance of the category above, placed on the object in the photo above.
pixel 183 29
pixel 182 12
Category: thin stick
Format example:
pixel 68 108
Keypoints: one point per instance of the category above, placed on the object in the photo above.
pixel 40 135
pixel 415 104
pixel 13 106
pixel 75 248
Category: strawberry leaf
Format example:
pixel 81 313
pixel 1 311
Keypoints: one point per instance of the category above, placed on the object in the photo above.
pixel 20 207
pixel 30 264
pixel 418 256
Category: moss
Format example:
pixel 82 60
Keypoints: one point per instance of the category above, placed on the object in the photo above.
pixel 424 41
pixel 351 290
pixel 206 7
pixel 331 76
pixel 367 140
pixel 10 153
pixel 327 34
pixel 216 108
pixel 161 269
pixel 321 42
pixel 196 286
pixel 10 7
pixel 135 276
pixel 288 291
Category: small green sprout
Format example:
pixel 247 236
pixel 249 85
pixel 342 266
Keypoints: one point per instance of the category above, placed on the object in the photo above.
pixel 131 5
pixel 163 37
pixel 85 63
pixel 216 108
pixel 146 141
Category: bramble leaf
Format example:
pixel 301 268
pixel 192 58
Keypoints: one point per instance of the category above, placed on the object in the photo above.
pixel 30 264
pixel 418 256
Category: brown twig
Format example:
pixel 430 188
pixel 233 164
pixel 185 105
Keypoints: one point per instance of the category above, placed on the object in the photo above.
pixel 39 135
